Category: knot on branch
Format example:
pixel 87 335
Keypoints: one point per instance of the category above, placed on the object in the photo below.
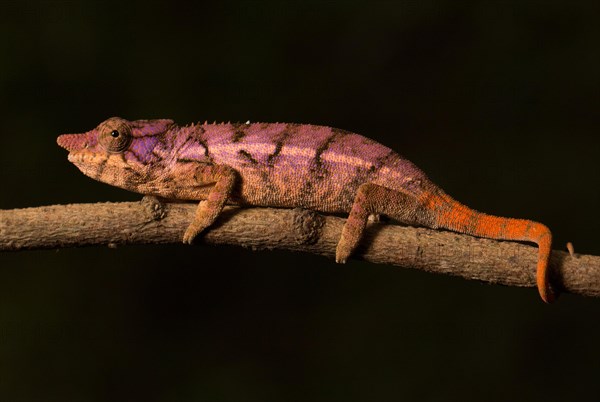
pixel 307 225
pixel 154 207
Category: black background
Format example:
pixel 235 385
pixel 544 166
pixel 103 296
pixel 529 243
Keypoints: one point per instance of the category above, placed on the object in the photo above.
pixel 496 101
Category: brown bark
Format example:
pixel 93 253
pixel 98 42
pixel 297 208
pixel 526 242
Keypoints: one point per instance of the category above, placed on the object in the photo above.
pixel 150 221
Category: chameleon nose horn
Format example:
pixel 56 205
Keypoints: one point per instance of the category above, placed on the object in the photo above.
pixel 72 142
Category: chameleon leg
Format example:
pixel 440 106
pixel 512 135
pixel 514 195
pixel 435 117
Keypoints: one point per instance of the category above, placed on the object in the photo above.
pixel 223 178
pixel 375 199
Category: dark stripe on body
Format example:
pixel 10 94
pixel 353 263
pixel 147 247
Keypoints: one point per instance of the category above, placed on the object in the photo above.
pixel 317 171
pixel 384 160
pixel 318 168
pixel 204 145
pixel 194 139
pixel 185 143
pixel 133 178
pixel 239 132
pixel 186 160
pixel 247 156
pixel 198 137
pixel 100 170
pixel 289 130
pixel 158 157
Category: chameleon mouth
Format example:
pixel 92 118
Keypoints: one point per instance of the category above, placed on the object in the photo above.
pixel 72 142
pixel 83 157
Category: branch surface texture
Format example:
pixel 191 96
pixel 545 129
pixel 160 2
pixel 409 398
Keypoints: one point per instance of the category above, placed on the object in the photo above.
pixel 150 221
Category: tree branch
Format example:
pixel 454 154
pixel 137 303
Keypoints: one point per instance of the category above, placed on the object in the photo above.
pixel 151 221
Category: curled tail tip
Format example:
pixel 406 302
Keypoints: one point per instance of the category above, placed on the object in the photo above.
pixel 547 294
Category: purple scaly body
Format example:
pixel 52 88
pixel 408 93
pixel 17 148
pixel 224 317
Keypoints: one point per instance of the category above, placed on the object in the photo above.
pixel 291 165
pixel 283 165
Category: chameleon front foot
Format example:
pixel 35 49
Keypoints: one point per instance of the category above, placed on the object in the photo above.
pixel 342 253
pixel 192 232
pixel 189 235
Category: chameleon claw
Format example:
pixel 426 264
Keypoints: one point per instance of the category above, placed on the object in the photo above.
pixel 195 228
pixel 190 234
pixel 341 255
pixel 187 239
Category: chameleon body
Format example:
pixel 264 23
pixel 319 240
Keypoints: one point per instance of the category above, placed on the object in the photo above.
pixel 284 165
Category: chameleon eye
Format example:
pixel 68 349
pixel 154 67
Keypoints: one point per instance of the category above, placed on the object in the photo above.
pixel 116 140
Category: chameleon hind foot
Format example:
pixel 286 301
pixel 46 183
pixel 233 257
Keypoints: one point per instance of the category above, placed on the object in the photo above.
pixel 373 199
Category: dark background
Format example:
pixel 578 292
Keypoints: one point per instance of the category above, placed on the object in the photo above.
pixel 496 101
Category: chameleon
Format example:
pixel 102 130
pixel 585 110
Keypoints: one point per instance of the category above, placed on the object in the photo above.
pixel 285 165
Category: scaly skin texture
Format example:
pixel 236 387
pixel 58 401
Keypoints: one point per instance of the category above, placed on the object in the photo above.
pixel 284 165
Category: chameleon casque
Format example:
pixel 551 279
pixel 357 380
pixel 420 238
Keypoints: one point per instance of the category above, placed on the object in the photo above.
pixel 284 165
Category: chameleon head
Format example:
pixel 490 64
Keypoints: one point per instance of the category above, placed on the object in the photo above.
pixel 118 152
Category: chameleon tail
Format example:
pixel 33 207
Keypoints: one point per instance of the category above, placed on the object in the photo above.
pixel 450 214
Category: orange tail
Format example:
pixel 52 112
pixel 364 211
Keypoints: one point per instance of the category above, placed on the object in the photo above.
pixel 450 214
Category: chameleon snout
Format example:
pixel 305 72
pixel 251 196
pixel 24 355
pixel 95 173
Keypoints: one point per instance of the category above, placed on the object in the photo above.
pixel 72 142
